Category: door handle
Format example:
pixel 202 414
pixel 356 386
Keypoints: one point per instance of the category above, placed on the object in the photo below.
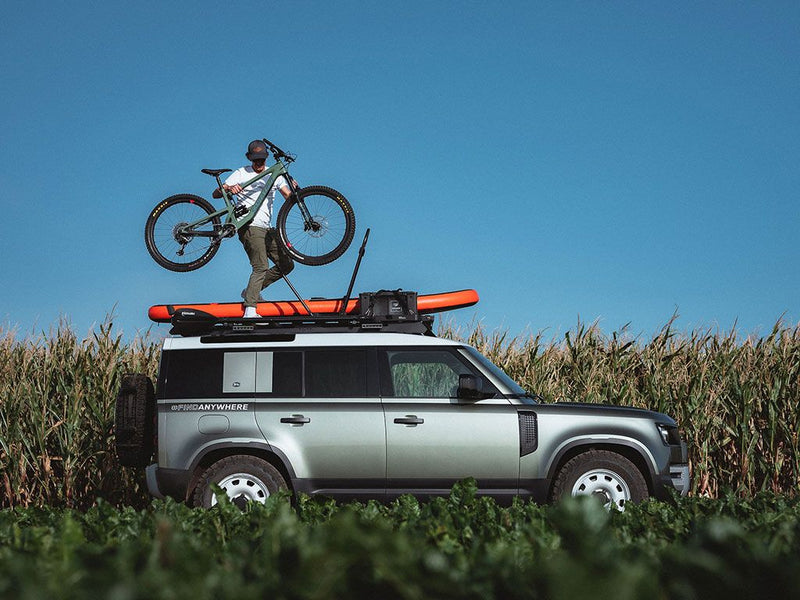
pixel 296 420
pixel 409 420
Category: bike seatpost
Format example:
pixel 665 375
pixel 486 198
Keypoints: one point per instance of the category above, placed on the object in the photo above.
pixel 222 191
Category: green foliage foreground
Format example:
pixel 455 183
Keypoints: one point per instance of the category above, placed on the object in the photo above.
pixel 459 547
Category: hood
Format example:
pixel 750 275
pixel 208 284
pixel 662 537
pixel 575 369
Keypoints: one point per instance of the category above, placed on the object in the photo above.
pixel 609 410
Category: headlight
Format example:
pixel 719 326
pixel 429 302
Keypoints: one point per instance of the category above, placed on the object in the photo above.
pixel 669 434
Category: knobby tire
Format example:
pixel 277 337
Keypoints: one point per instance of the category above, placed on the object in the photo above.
pixel 160 239
pixel 332 211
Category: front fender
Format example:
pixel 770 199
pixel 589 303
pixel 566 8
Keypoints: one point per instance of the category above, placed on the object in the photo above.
pixel 599 440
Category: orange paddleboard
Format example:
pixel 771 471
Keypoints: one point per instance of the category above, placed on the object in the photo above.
pixel 426 303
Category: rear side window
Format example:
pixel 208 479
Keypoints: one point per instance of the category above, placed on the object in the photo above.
pixel 279 373
pixel 287 374
pixel 336 373
pixel 324 373
pixel 191 374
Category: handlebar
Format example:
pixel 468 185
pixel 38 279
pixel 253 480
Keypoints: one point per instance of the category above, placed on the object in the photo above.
pixel 277 152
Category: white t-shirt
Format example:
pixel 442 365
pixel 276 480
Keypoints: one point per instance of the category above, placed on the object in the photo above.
pixel 250 194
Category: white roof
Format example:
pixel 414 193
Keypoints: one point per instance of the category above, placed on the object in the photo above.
pixel 318 340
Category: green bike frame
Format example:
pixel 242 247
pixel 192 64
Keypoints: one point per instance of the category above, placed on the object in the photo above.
pixel 272 172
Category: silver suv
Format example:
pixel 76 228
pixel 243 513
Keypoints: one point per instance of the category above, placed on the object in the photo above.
pixel 357 412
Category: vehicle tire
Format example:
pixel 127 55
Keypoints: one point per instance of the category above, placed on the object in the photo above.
pixel 134 421
pixel 244 478
pixel 336 226
pixel 163 238
pixel 610 477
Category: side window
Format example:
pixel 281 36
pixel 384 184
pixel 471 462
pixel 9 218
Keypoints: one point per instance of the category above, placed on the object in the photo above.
pixel 191 374
pixel 336 373
pixel 279 373
pixel 328 373
pixel 423 373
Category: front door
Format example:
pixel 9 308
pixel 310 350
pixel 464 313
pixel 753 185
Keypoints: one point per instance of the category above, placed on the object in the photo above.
pixel 433 439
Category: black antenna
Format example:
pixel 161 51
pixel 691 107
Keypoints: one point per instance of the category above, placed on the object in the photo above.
pixel 343 309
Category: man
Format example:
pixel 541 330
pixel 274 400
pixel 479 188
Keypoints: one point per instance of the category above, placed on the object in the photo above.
pixel 259 239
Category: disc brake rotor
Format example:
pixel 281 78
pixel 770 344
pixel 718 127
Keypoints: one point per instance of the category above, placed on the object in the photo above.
pixel 317 227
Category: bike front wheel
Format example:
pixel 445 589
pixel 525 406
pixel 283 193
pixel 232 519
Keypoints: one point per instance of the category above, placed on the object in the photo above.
pixel 324 233
pixel 171 244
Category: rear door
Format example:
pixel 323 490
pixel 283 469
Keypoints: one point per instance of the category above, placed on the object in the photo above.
pixel 433 439
pixel 320 408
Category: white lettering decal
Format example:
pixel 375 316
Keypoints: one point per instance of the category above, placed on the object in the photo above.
pixel 209 407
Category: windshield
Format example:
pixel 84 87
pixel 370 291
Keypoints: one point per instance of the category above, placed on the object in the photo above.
pixel 499 374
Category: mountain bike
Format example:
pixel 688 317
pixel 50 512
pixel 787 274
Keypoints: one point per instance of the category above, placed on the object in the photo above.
pixel 315 224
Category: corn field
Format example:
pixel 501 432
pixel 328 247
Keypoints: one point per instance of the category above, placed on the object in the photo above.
pixel 57 396
pixel 736 399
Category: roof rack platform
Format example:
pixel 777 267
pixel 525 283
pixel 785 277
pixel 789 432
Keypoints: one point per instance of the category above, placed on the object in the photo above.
pixel 192 322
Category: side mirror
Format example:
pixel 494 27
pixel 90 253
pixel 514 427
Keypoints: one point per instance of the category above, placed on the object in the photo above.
pixel 470 387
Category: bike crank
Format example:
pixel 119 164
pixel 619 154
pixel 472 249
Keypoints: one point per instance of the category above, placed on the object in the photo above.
pixel 226 231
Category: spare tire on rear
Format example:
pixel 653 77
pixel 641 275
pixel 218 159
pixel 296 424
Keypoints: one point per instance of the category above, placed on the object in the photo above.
pixel 135 420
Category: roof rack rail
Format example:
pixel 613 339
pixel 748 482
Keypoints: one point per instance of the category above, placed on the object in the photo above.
pixel 192 323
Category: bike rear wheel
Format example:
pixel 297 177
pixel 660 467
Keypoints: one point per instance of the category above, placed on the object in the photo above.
pixel 171 246
pixel 330 231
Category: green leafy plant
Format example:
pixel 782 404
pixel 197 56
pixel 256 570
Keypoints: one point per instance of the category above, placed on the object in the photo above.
pixel 462 546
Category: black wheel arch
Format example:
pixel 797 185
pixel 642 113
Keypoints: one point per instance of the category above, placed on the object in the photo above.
pixel 625 448
pixel 262 450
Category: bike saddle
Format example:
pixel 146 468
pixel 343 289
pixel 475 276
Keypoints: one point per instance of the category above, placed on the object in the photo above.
pixel 214 172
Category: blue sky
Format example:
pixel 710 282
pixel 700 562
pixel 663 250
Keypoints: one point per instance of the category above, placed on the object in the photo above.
pixel 609 161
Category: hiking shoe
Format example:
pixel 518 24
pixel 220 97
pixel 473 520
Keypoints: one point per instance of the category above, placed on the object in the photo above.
pixel 260 297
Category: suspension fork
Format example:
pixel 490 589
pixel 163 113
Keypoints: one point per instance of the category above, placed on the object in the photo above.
pixel 308 221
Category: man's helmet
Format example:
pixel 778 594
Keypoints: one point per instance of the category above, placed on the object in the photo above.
pixel 257 149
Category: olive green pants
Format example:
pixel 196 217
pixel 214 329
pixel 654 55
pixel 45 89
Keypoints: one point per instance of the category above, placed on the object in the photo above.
pixel 262 246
